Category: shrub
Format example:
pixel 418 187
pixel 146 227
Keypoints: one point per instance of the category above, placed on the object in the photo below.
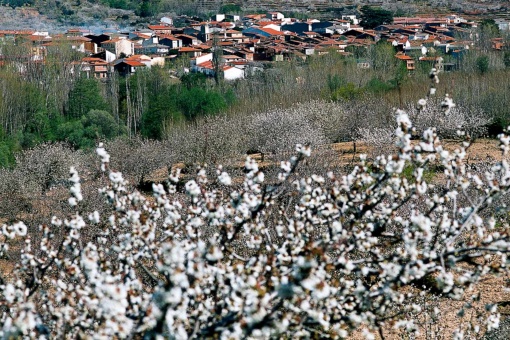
pixel 506 58
pixel 348 92
pixel 482 64
pixel 93 126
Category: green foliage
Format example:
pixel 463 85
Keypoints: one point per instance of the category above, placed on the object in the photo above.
pixel 383 57
pixel 18 3
pixel 6 157
pixel 162 111
pixel 148 8
pixel 86 131
pixel 335 82
pixel 120 4
pixel 348 92
pixel 377 86
pixel 357 51
pixel 196 102
pixel 482 64
pixel 8 146
pixel 38 130
pixel 230 8
pixel 401 75
pixel 170 103
pixel 230 97
pixel 372 17
pixel 85 96
pixel 190 80
pixel 489 26
pixel 409 173
pixel 506 58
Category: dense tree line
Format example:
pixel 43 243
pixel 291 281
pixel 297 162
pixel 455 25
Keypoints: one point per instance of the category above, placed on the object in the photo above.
pixel 57 103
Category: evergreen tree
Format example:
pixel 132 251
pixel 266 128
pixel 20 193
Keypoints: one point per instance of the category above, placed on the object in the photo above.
pixel 374 16
pixel 85 96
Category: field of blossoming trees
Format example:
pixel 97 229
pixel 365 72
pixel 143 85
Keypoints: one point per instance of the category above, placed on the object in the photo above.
pixel 383 246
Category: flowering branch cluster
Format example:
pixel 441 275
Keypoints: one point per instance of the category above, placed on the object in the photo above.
pixel 324 258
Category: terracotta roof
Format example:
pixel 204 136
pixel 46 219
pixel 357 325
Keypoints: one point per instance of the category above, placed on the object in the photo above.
pixel 158 27
pixel 189 49
pixel 202 46
pixel 267 23
pixel 403 57
pixel 141 35
pixel 254 16
pixel 114 40
pixel 93 60
pixel 169 37
pixel 39 38
pixel 17 32
pixel 138 57
pixel 429 58
pixel 77 30
pixel 206 64
pixel 185 36
pixel 271 31
pixel 78 39
pixel 226 24
pixel 133 63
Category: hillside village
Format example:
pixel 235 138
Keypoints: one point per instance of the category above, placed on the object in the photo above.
pixel 245 43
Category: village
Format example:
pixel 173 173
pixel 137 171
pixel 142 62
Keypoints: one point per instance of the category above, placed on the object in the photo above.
pixel 248 42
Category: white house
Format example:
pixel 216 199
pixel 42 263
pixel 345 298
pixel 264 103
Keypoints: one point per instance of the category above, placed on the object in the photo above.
pixel 201 59
pixel 275 16
pixel 109 56
pixel 232 73
pixel 351 18
pixel 41 34
pixel 170 41
pixel 204 64
pixel 118 46
pixel 504 25
pixel 218 17
pixel 454 19
pixel 166 21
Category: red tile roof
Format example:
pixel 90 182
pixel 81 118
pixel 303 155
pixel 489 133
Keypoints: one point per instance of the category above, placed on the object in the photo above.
pixel 133 63
pixel 189 49
pixel 271 31
pixel 169 37
pixel 403 57
pixel 17 32
pixel 206 64
pixel 93 60
pixel 138 57
pixel 266 23
pixel 158 27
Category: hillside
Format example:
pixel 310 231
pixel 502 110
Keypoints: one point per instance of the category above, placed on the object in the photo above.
pixel 93 14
